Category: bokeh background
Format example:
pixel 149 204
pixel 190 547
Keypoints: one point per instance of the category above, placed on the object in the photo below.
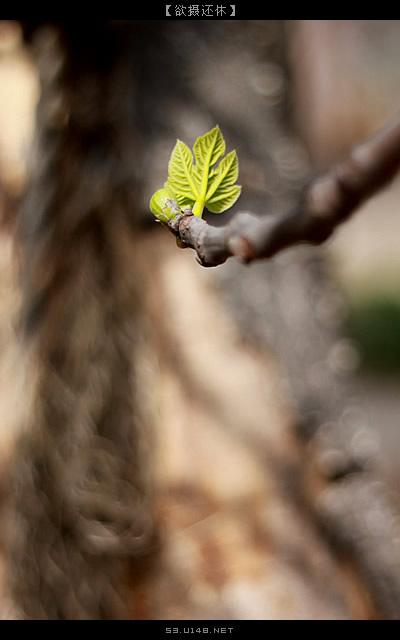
pixel 274 388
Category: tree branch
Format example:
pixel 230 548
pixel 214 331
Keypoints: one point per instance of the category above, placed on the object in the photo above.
pixel 325 203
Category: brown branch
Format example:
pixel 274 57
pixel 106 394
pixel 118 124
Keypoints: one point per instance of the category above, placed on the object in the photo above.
pixel 325 203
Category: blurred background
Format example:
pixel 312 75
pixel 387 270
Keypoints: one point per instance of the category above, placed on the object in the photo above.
pixel 273 389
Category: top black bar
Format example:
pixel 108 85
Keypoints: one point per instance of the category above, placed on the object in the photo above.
pixel 206 10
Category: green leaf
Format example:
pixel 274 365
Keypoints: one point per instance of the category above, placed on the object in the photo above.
pixel 207 150
pixel 183 201
pixel 224 176
pixel 163 205
pixel 224 199
pixel 203 183
pixel 180 172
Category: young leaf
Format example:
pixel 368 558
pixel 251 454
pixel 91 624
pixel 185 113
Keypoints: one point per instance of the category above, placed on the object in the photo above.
pixel 224 176
pixel 207 150
pixel 224 199
pixel 202 184
pixel 180 173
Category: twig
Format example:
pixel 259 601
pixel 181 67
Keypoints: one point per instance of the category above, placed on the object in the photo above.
pixel 325 203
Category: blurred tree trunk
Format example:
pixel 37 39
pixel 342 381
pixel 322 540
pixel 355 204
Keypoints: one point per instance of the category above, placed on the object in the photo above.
pixel 78 501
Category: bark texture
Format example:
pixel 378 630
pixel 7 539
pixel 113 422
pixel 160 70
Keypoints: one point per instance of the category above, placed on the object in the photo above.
pixel 79 503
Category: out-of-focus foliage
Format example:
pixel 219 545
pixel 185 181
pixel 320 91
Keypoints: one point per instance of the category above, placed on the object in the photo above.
pixel 374 325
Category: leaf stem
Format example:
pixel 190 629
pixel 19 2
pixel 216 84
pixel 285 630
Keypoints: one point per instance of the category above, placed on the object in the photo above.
pixel 198 208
